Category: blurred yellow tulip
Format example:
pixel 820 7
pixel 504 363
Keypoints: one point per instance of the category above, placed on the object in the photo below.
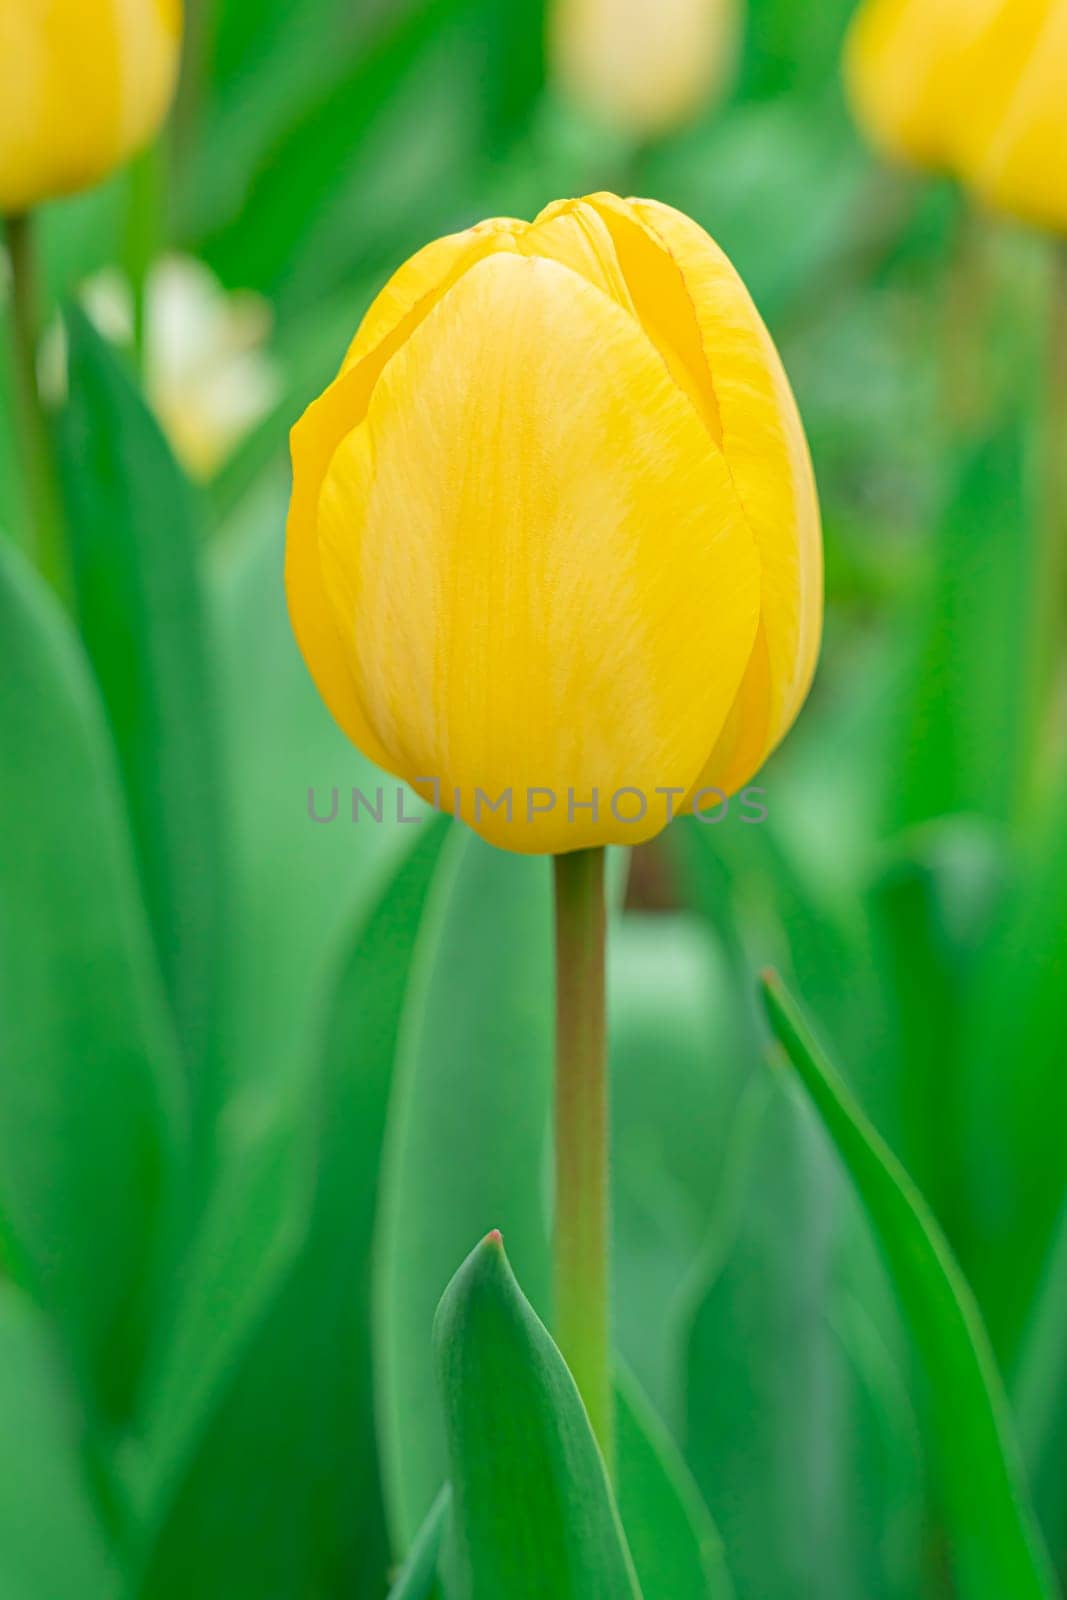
pixel 645 66
pixel 84 84
pixel 554 533
pixel 976 88
pixel 1013 143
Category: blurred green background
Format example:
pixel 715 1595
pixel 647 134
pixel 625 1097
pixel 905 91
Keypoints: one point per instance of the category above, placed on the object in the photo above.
pixel 264 1084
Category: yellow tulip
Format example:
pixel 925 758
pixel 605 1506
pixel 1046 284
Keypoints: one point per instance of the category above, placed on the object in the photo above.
pixel 975 88
pixel 905 70
pixel 554 533
pixel 645 67
pixel 84 84
pixel 1012 148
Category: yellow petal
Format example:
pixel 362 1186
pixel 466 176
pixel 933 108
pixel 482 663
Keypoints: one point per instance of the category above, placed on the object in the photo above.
pixel 416 286
pixel 767 455
pixel 83 85
pixel 537 563
pixel 327 657
pixel 1014 150
pixel 908 77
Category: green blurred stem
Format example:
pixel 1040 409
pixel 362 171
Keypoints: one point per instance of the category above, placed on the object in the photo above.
pixel 199 38
pixel 1054 532
pixel 144 233
pixel 581 1208
pixel 35 446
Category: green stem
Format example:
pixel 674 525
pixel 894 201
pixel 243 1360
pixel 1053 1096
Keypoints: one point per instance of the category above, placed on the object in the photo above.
pixel 965 394
pixel 144 233
pixel 581 1209
pixel 1055 516
pixel 35 446
pixel 199 38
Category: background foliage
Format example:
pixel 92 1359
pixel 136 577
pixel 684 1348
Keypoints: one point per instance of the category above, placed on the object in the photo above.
pixel 264 1085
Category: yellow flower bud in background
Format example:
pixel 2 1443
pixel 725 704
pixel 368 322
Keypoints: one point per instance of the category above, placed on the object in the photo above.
pixel 904 67
pixel 644 66
pixel 976 88
pixel 554 531
pixel 1012 144
pixel 84 84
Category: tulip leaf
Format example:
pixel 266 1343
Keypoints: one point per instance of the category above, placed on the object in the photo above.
pixel 418 1577
pixel 253 1226
pixel 51 1540
pixel 90 1108
pixel 994 1542
pixel 467 1136
pixel 676 1548
pixel 764 1368
pixel 934 902
pixel 1039 1393
pixel 306 168
pixel 968 715
pixel 1016 1116
pixel 134 534
pixel 672 1012
pixel 286 1436
pixel 298 885
pixel 532 1511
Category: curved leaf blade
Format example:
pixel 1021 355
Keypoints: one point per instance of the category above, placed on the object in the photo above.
pixel 532 1511
pixel 90 1110
pixel 418 1577
pixel 995 1544
pixel 466 1143
pixel 286 1441
pixel 676 1548
pixel 134 531
pixel 51 1541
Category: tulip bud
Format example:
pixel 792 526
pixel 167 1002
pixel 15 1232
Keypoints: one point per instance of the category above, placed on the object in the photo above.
pixel 84 84
pixel 905 71
pixel 1012 144
pixel 644 67
pixel 975 88
pixel 553 549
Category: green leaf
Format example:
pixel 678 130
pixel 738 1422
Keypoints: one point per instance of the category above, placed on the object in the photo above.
pixel 996 1549
pixel 306 167
pixel 934 902
pixel 134 531
pixel 418 1578
pixel 467 1136
pixel 675 1079
pixel 764 1369
pixel 1039 1393
pixel 288 1445
pixel 1016 1087
pixel 532 1511
pixel 967 722
pixel 90 1110
pixel 298 885
pixel 52 1543
pixel 676 1548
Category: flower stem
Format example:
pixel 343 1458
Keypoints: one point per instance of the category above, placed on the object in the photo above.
pixel 581 1210
pixel 143 234
pixel 35 447
pixel 1054 532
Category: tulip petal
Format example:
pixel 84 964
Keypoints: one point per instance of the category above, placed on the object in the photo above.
pixel 907 74
pixel 573 233
pixel 83 83
pixel 416 287
pixel 537 560
pixel 767 456
pixel 313 442
pixel 1015 148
